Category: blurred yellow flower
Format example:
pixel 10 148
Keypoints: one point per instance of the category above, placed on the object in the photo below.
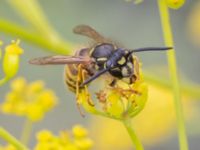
pixel 175 4
pixel 75 140
pixel 155 123
pixel 31 100
pixel 194 23
pixel 11 59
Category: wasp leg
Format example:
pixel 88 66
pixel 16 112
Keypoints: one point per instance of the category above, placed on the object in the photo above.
pixel 86 89
pixel 79 79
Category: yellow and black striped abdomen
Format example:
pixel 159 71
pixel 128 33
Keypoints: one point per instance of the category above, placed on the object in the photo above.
pixel 71 71
pixel 70 76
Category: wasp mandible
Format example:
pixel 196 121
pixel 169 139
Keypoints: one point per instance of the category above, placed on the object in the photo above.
pixel 103 57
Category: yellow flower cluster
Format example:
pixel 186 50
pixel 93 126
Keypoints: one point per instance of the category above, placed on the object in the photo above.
pixel 31 100
pixel 11 60
pixel 119 102
pixel 78 140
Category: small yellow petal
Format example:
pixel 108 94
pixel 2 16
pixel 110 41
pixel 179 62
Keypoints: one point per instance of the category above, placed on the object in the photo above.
pixel 44 136
pixel 79 132
pixel 34 112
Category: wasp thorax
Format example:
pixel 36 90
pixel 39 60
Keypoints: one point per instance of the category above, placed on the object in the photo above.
pixel 101 53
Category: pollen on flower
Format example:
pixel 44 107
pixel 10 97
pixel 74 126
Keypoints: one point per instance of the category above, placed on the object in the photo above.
pixel 31 100
pixel 65 140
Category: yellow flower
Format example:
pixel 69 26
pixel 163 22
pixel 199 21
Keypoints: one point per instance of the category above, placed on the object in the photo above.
pixel 153 125
pixel 135 1
pixel 79 131
pixel 118 102
pixel 78 140
pixel 175 4
pixel 30 100
pixel 44 136
pixel 11 59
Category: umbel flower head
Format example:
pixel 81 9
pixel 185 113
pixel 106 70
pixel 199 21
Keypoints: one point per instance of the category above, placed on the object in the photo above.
pixel 122 101
pixel 31 100
pixel 76 140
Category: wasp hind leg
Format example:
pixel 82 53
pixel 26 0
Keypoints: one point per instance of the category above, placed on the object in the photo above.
pixel 86 89
pixel 78 81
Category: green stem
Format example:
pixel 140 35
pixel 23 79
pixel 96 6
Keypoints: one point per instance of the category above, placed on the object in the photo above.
pixel 34 37
pixel 165 20
pixel 26 133
pixel 11 140
pixel 131 132
pixel 32 13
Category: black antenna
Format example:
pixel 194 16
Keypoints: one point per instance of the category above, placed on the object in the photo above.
pixel 150 49
pixel 94 76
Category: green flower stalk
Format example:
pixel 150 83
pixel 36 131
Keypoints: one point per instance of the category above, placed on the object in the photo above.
pixel 168 37
pixel 11 140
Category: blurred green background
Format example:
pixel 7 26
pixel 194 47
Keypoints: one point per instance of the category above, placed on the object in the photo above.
pixel 132 25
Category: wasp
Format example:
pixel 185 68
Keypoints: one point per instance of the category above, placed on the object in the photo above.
pixel 102 57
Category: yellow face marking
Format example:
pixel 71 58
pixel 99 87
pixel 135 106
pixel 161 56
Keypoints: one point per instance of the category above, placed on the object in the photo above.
pixel 124 71
pixel 122 61
pixel 130 65
pixel 96 67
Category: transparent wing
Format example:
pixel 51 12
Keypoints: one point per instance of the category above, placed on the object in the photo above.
pixel 88 31
pixel 59 60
